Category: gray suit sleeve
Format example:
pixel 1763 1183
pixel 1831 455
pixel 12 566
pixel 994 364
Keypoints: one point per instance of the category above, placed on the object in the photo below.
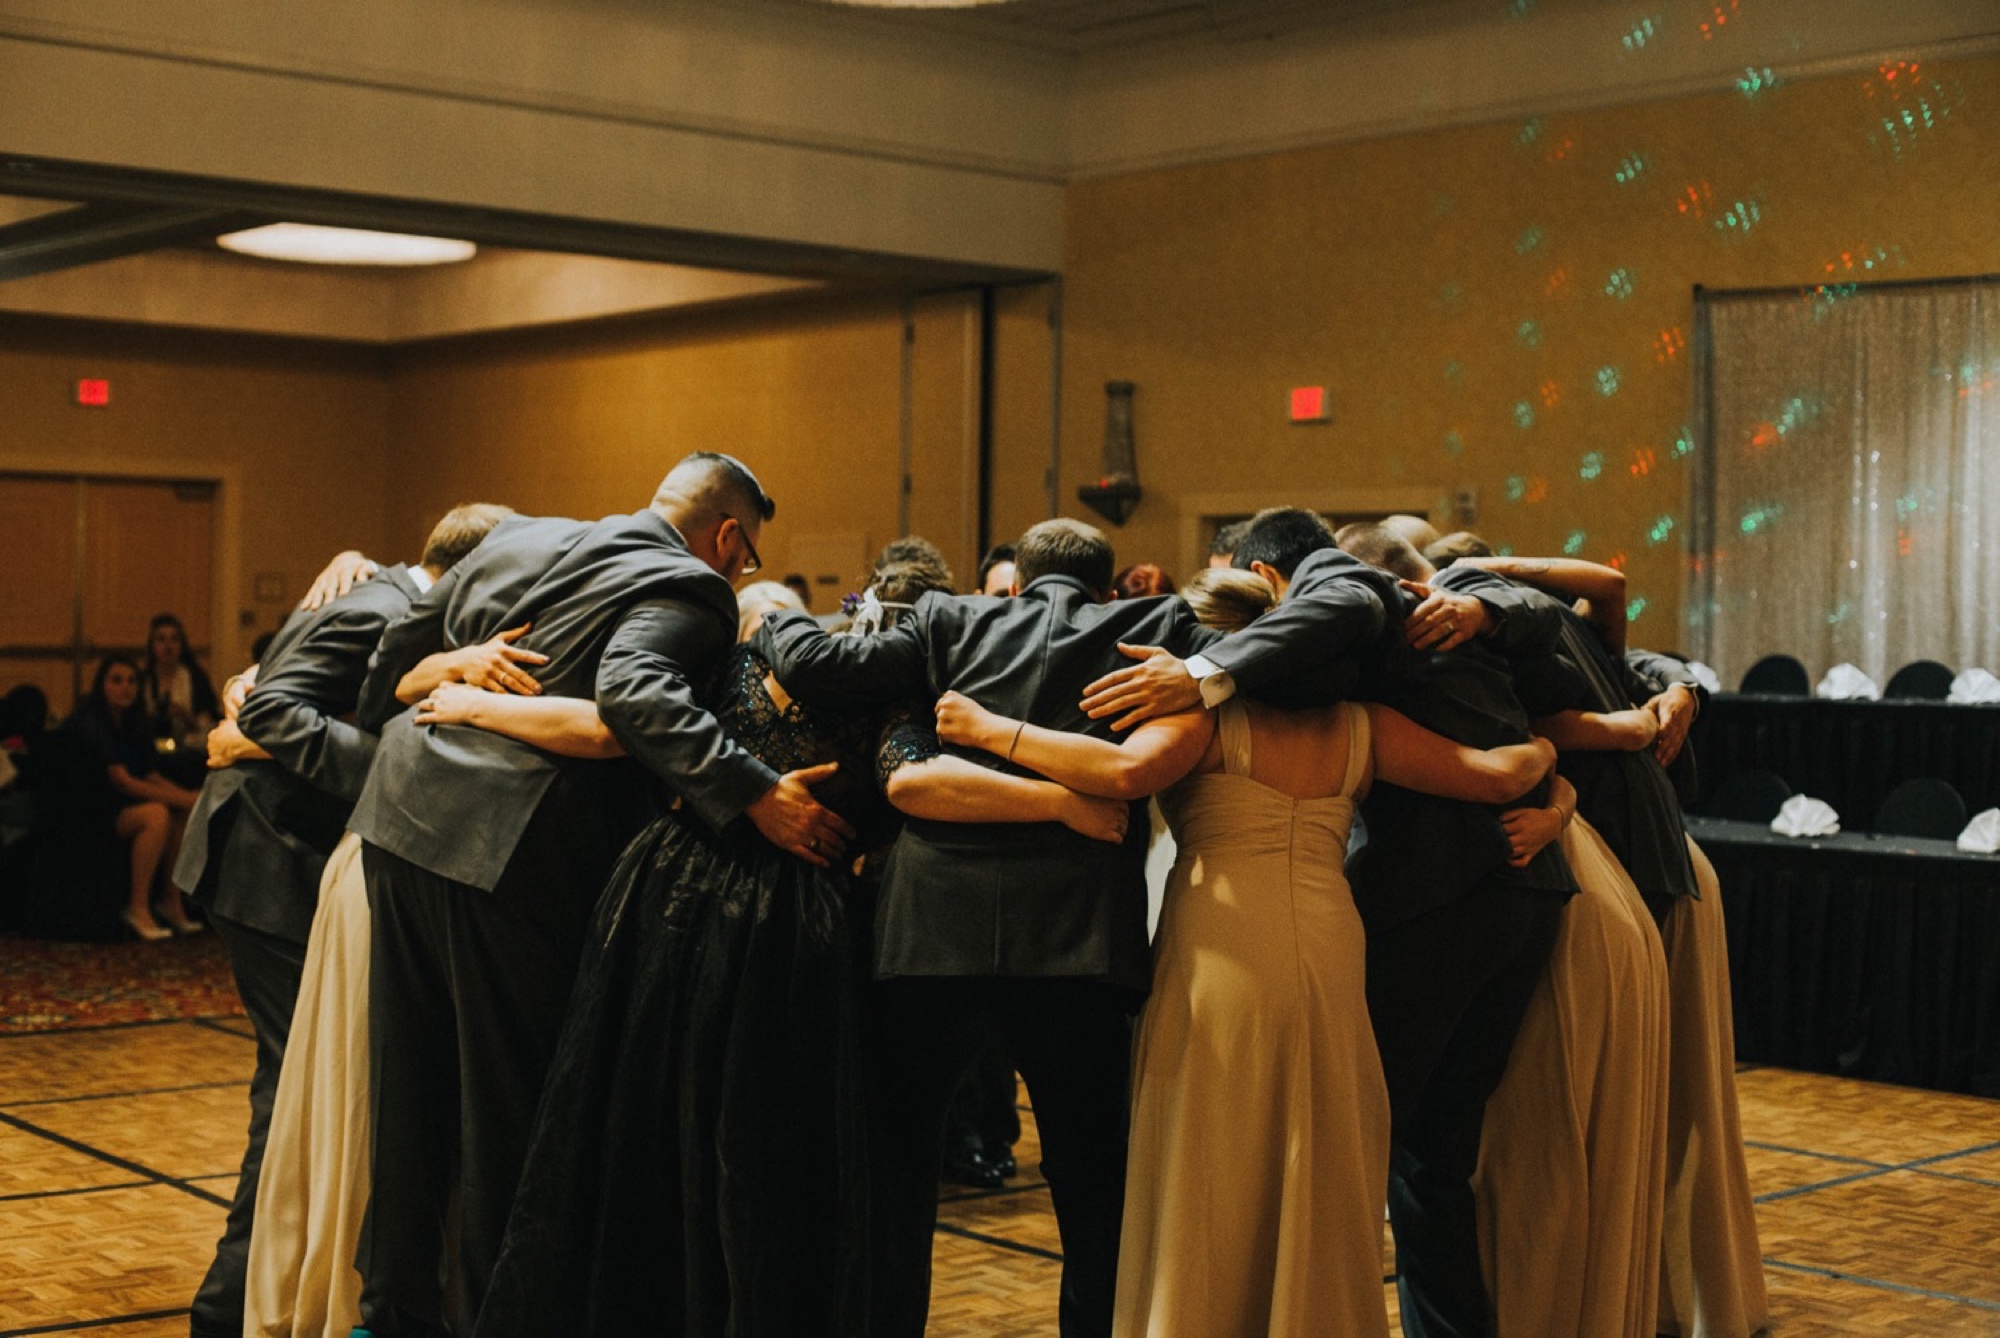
pixel 1303 644
pixel 1525 620
pixel 845 672
pixel 416 634
pixel 1648 672
pixel 293 713
pixel 645 692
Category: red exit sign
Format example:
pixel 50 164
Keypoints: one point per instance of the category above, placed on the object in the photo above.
pixel 93 394
pixel 1309 405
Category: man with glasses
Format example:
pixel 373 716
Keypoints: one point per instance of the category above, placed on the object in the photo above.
pixel 484 856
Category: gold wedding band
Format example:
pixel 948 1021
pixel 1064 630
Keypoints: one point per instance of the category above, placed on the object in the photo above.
pixel 813 845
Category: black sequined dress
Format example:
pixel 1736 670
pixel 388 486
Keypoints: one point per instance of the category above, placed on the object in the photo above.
pixel 698 1164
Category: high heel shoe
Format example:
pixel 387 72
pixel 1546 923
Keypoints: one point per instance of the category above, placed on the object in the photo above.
pixel 154 935
pixel 185 926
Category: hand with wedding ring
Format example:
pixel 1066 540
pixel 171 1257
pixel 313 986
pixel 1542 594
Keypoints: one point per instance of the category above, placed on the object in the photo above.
pixel 791 819
pixel 1444 620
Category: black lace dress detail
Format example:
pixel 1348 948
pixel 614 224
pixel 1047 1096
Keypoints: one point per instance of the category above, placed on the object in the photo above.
pixel 698 1165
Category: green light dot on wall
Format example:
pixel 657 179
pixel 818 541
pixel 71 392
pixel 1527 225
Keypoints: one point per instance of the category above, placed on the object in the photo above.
pixel 1454 442
pixel 1661 529
pixel 1574 543
pixel 1531 130
pixel 1634 609
pixel 1607 381
pixel 1683 443
pixel 1504 550
pixel 1524 414
pixel 1629 170
pixel 1454 372
pixel 1529 333
pixel 1529 241
pixel 1592 466
pixel 1514 487
pixel 1618 284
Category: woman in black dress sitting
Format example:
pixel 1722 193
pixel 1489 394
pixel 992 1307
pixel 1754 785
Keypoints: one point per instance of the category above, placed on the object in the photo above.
pixel 152 810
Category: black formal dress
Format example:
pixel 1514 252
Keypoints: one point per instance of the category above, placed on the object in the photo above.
pixel 484 856
pixel 699 1163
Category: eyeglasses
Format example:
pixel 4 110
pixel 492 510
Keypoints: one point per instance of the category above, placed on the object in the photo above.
pixel 755 563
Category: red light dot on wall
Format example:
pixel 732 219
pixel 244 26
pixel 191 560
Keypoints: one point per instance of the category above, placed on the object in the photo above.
pixel 93 394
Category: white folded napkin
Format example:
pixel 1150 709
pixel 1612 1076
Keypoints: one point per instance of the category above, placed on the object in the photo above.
pixel 1974 687
pixel 1803 815
pixel 1844 682
pixel 1982 835
pixel 1705 676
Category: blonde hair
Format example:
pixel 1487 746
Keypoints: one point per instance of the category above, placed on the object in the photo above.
pixel 760 599
pixel 1227 598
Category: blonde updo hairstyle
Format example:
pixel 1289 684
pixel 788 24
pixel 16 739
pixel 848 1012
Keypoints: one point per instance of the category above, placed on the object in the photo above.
pixel 1228 599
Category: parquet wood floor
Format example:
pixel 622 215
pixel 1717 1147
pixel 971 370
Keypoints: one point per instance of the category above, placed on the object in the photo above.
pixel 1880 1206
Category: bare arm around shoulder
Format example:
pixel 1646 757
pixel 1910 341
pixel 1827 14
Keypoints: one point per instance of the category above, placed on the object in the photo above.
pixel 951 789
pixel 568 726
pixel 496 664
pixel 1153 756
pixel 1600 589
pixel 1600 731
pixel 1413 757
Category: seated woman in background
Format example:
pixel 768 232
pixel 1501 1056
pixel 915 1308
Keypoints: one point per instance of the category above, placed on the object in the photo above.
pixel 179 700
pixel 152 810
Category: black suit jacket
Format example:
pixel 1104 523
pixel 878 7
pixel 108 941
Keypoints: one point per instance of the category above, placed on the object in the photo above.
pixel 260 834
pixel 1422 851
pixel 999 899
pixel 629 618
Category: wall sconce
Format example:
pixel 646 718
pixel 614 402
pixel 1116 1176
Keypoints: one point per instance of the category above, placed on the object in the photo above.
pixel 1116 493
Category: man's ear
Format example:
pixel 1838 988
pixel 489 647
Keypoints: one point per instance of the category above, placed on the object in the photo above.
pixel 1270 574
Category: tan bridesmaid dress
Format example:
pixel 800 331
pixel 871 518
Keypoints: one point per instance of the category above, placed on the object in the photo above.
pixel 1260 1122
pixel 301 1281
pixel 1572 1160
pixel 1713 1283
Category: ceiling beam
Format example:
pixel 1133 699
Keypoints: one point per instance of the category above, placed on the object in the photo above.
pixel 92 233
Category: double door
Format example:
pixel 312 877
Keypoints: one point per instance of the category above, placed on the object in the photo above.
pixel 85 563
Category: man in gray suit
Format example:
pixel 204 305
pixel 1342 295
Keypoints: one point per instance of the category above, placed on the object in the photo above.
pixel 484 855
pixel 259 836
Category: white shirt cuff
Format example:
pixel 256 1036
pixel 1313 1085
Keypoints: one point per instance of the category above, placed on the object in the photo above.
pixel 1217 686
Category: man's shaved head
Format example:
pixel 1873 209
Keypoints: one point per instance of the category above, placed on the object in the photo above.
pixel 707 486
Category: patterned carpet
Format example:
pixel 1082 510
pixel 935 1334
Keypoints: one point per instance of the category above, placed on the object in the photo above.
pixel 57 986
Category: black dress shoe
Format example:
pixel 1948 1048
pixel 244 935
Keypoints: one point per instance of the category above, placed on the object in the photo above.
pixel 971 1169
pixel 1001 1158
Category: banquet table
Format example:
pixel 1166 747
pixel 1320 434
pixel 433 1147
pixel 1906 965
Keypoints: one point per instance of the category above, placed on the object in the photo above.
pixel 1850 753
pixel 1870 957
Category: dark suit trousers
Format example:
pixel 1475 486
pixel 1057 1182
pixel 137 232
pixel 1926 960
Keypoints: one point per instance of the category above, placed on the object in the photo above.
pixel 1446 992
pixel 267 971
pixel 466 999
pixel 1072 1040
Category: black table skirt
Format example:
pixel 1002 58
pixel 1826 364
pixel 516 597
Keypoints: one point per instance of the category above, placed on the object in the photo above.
pixel 1868 958
pixel 1850 754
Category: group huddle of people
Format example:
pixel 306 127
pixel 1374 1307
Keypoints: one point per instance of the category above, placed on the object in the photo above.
pixel 616 950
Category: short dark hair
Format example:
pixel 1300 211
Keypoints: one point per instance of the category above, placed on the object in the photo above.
pixel 995 555
pixel 459 531
pixel 1380 546
pixel 1226 539
pixel 1457 544
pixel 906 582
pixel 1281 537
pixel 1064 547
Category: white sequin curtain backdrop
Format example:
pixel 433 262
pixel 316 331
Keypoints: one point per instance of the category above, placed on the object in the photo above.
pixel 1847 492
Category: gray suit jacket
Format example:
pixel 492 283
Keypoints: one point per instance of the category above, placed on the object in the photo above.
pixel 999 899
pixel 629 618
pixel 259 835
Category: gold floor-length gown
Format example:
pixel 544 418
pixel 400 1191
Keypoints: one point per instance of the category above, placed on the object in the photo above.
pixel 1712 1285
pixel 301 1281
pixel 1260 1122
pixel 1572 1161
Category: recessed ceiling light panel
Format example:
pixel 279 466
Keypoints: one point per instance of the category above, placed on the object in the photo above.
pixel 311 244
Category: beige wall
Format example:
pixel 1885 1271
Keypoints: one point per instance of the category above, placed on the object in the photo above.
pixel 1401 272
pixel 296 434
pixel 586 423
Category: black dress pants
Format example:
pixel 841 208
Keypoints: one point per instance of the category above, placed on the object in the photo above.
pixel 467 993
pixel 268 970
pixel 1072 1041
pixel 1447 992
